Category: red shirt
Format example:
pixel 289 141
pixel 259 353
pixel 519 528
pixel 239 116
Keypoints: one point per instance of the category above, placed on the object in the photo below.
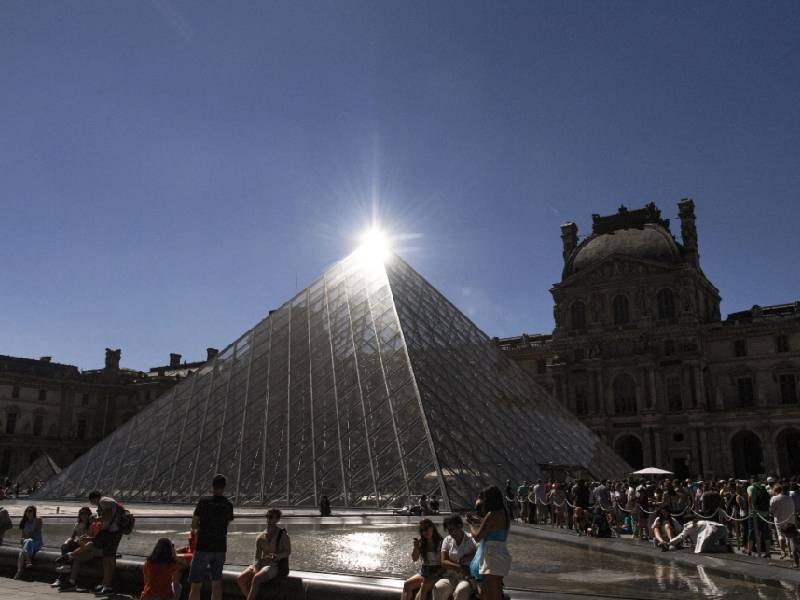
pixel 158 579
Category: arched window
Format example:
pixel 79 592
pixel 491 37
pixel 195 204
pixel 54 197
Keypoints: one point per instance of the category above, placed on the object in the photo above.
pixel 666 304
pixel 624 395
pixel 621 310
pixel 578 315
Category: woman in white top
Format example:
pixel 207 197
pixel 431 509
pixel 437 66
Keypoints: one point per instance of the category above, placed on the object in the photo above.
pixel 458 548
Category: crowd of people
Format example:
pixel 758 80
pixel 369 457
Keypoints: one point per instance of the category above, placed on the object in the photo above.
pixel 759 515
pixel 98 534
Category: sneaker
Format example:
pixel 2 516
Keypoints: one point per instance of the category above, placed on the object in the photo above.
pixel 63 569
pixel 56 583
pixel 104 591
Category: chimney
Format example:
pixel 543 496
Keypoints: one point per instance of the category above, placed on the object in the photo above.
pixel 112 359
pixel 174 359
pixel 569 237
pixel 689 231
pixel 211 353
pixel 45 359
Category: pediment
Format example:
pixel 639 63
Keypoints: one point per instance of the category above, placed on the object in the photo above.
pixel 617 266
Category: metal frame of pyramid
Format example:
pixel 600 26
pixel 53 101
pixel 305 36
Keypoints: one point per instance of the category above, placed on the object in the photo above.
pixel 41 469
pixel 368 387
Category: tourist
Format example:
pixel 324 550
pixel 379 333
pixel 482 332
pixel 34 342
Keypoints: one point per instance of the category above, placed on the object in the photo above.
pixel 458 549
pixel 210 523
pixel 73 542
pixel 161 571
pixel 492 562
pixel 710 502
pixel 522 498
pixel 758 502
pixel 30 530
pixel 602 494
pixel 424 506
pixel 781 507
pixel 664 528
pixel 705 535
pixel 273 548
pixel 324 507
pixel 5 523
pixel 540 502
pixel 556 498
pixel 510 498
pixel 107 540
pixel 581 496
pixel 428 549
pixel 741 517
pixel 599 526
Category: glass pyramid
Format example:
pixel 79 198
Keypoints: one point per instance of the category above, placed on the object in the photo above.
pixel 368 386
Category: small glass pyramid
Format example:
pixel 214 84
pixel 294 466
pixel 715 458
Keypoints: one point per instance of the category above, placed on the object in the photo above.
pixel 368 386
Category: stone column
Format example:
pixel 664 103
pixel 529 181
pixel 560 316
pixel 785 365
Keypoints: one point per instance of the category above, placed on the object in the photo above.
pixel 659 459
pixel 768 450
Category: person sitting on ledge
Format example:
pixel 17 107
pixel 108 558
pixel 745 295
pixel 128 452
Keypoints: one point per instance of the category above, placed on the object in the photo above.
pixel 73 542
pixel 273 548
pixel 30 531
pixel 664 528
pixel 159 572
pixel 324 507
pixel 705 536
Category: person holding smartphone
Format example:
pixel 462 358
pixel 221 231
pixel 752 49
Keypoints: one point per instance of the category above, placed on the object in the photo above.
pixel 427 548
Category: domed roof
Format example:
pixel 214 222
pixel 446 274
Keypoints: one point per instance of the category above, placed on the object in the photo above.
pixel 650 241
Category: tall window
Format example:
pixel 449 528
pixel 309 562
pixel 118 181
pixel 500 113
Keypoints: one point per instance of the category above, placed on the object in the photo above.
pixel 578 315
pixel 42 395
pixel 669 347
pixel 5 463
pixel 740 348
pixel 666 304
pixel 15 391
pixel 788 385
pixel 673 393
pixel 38 424
pixel 81 432
pixel 624 395
pixel 782 343
pixel 11 423
pixel 581 404
pixel 84 399
pixel 744 387
pixel 541 366
pixel 621 310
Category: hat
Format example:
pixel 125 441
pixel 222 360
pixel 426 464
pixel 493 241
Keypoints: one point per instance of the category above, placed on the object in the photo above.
pixel 770 480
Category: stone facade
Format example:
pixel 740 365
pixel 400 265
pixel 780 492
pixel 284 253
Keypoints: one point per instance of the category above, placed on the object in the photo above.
pixel 639 352
pixel 53 408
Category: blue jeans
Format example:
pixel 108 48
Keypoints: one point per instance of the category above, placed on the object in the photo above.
pixel 205 563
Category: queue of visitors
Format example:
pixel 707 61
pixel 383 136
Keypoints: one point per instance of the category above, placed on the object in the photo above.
pixel 758 515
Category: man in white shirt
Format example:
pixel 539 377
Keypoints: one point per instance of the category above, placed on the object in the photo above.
pixel 458 548
pixel 705 536
pixel 781 507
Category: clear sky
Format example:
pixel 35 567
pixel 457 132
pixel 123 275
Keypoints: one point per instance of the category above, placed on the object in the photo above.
pixel 169 171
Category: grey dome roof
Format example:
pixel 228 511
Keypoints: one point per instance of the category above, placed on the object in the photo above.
pixel 651 242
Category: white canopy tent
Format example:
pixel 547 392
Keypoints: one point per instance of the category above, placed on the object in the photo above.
pixel 652 471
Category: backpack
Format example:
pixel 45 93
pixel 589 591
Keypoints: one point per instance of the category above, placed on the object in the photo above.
pixel 125 520
pixel 760 498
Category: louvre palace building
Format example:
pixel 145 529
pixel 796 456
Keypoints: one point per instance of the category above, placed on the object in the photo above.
pixel 641 355
pixel 55 409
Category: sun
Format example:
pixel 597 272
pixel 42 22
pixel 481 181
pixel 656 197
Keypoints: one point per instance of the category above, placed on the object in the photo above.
pixel 375 244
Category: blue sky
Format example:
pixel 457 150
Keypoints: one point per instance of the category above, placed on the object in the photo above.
pixel 169 171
